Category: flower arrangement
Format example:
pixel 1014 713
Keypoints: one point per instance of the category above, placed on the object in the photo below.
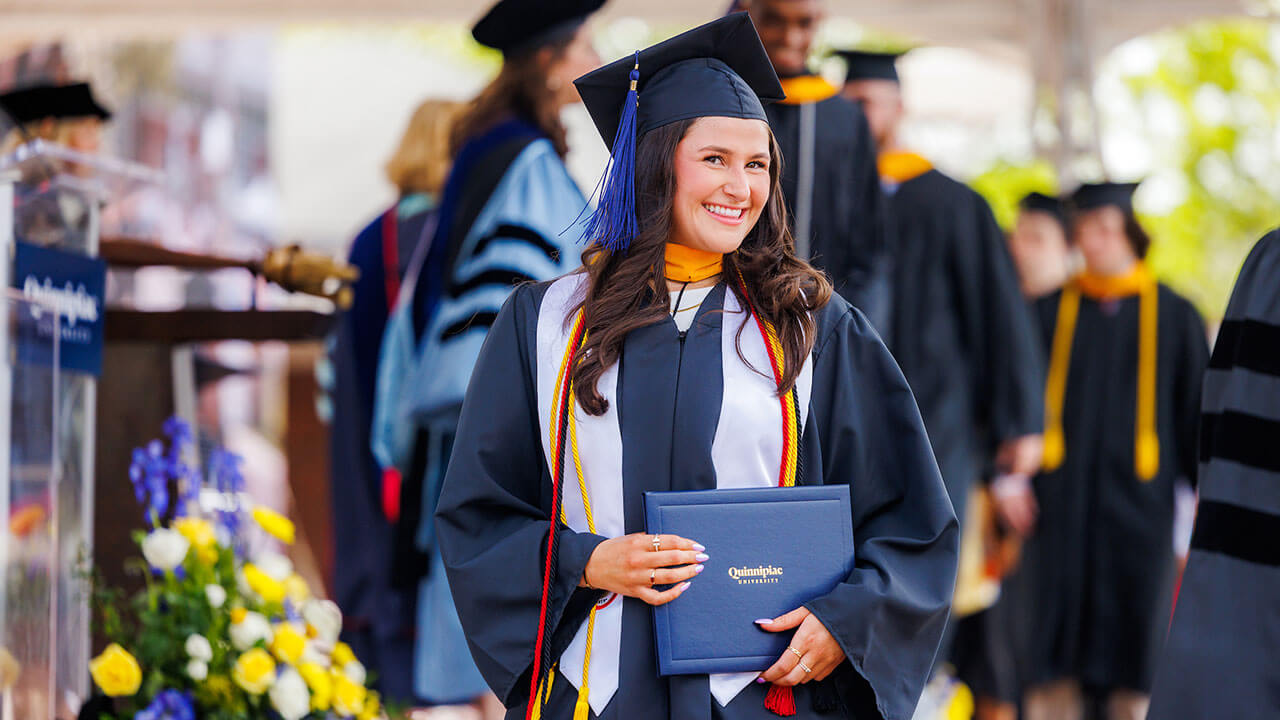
pixel 221 631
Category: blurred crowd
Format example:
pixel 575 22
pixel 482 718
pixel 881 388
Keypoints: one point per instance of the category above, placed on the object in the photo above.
pixel 1058 378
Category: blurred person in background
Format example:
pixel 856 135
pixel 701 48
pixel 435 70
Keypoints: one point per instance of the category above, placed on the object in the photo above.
pixel 66 115
pixel 1039 244
pixel 507 216
pixel 962 331
pixel 378 605
pixel 989 644
pixel 1221 657
pixel 1121 409
pixel 828 172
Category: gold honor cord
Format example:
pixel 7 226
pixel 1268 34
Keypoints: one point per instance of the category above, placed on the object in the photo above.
pixel 1146 446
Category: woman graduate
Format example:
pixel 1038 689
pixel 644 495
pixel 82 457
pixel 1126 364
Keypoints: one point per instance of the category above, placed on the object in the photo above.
pixel 1127 355
pixel 690 353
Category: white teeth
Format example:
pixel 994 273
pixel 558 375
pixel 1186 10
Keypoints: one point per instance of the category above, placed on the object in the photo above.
pixel 725 211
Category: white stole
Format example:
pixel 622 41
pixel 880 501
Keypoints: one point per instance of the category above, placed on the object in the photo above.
pixel 745 453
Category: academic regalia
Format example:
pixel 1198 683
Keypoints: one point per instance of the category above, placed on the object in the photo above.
pixel 687 410
pixel 507 217
pixel 1220 658
pixel 961 331
pixel 862 428
pixel 827 147
pixel 1101 557
pixel 379 617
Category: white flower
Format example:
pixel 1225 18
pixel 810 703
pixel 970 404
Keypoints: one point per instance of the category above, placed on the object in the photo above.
pixel 252 628
pixel 317 653
pixel 355 672
pixel 276 566
pixel 198 670
pixel 198 648
pixel 216 594
pixel 165 549
pixel 325 617
pixel 290 696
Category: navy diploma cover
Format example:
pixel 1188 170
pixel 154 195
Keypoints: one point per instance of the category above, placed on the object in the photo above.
pixel 771 549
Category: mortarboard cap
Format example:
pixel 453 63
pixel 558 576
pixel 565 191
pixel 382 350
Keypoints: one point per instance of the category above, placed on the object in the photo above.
pixel 1039 202
pixel 515 26
pixel 1091 196
pixel 865 65
pixel 52 101
pixel 719 69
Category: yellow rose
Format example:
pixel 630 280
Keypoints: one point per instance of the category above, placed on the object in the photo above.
pixel 348 697
pixel 116 672
pixel 372 707
pixel 321 685
pixel 254 671
pixel 288 643
pixel 270 590
pixel 275 524
pixel 342 655
pixel 200 534
pixel 295 588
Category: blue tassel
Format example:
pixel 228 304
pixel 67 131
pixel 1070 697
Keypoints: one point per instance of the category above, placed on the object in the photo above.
pixel 613 223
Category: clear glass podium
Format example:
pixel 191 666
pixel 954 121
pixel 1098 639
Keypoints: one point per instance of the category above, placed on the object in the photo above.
pixel 35 578
pixel 50 202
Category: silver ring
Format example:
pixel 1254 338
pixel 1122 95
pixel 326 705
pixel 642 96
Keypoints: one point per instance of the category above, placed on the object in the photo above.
pixel 805 668
pixel 657 543
pixel 797 652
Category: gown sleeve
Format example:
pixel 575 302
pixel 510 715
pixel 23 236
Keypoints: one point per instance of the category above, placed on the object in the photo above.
pixel 997 329
pixel 492 518
pixel 889 615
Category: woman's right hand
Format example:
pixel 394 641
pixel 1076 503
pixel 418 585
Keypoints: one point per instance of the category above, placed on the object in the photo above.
pixel 630 566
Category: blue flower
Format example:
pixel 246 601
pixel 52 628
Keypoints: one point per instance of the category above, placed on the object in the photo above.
pixel 168 705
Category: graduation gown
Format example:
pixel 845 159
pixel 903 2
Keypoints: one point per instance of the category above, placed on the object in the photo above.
pixel 847 226
pixel 861 428
pixel 1219 661
pixel 380 615
pixel 962 331
pixel 505 212
pixel 1102 551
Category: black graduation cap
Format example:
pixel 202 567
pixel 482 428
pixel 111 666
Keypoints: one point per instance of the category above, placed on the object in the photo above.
pixel 719 69
pixel 516 25
pixel 52 101
pixel 1091 196
pixel 866 65
pixel 1039 202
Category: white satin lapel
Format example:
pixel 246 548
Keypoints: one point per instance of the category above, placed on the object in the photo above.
pixel 600 451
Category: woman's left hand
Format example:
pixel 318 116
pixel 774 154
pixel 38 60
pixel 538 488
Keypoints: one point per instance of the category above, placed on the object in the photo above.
pixel 815 649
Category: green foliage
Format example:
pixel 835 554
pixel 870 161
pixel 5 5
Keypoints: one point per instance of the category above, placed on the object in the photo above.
pixel 1221 82
pixel 1005 184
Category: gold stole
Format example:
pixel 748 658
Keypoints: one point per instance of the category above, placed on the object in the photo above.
pixel 1140 282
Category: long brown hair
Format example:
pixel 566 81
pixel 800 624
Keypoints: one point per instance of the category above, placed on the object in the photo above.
pixel 627 291
pixel 519 90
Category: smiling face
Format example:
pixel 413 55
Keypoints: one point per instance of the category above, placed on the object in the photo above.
pixel 722 183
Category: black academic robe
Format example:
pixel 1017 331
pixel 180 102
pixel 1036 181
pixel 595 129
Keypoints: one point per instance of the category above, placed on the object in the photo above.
pixel 962 331
pixel 1102 552
pixel 1220 659
pixel 863 430
pixel 848 234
